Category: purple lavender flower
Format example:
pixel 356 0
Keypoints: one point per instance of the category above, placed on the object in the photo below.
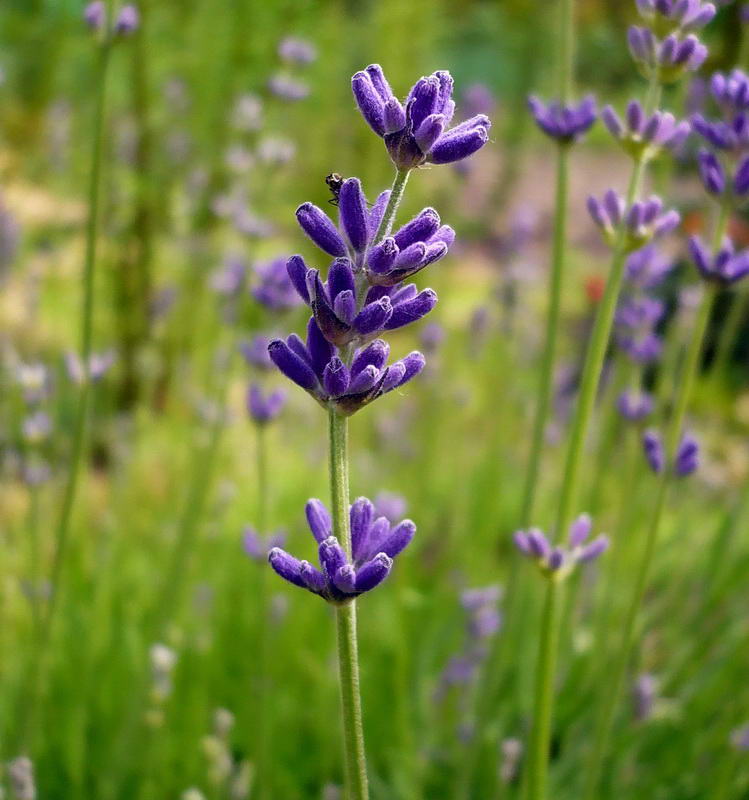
pixel 127 20
pixel 478 98
pixel 643 221
pixel 432 336
pixel 286 88
pixel 671 15
pixel 558 562
pixel 273 288
pixel 248 113
pixel 296 50
pixel 644 348
pixel 731 91
pixel 419 132
pixel 419 243
pixel 644 136
pixel 94 15
pixel 334 303
pixel 687 457
pixel 732 136
pixel 740 738
pixel 36 427
pixel 484 619
pixel 634 406
pixel 390 505
pixel 256 547
pixel 726 267
pixel 255 352
pixel 264 408
pixel 654 452
pixel 687 454
pixel 744 13
pixel 374 542
pixel 668 59
pixel 229 279
pixel 566 124
pixel 98 365
pixel 646 267
pixel 711 173
pixel 644 695
pixel 319 370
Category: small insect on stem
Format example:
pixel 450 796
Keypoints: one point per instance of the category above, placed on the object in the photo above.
pixel 334 182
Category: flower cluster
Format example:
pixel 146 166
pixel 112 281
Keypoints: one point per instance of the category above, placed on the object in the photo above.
pixel 126 22
pixel 635 406
pixel 319 369
pixel 643 222
pixel 724 267
pixel 272 287
pixel 256 547
pixel 418 132
pixel 558 562
pixel 565 123
pixel 666 16
pixel 293 52
pixel 264 407
pixel 686 460
pixel 643 136
pixel 375 542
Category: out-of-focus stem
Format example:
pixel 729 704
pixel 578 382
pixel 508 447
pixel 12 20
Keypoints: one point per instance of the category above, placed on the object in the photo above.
pixel 616 678
pixel 357 786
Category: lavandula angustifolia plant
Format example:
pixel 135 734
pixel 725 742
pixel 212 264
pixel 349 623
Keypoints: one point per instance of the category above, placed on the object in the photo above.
pixel 631 224
pixel 106 33
pixel 343 366
pixel 719 268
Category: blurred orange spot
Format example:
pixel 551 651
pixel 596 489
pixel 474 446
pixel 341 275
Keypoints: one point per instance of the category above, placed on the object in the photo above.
pixel 594 288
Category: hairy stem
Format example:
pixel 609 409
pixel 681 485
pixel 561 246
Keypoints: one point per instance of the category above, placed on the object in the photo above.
pixel 396 195
pixel 348 659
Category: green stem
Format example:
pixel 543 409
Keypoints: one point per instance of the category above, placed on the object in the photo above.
pixel 62 533
pixel 545 386
pixel 396 194
pixel 567 50
pixel 730 331
pixel 616 677
pixel 348 659
pixel 538 773
pixel 263 723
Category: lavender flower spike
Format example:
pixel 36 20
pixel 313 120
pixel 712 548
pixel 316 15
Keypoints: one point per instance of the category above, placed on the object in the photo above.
pixel 419 243
pixel 317 368
pixel 644 136
pixel 654 452
pixel 665 60
pixel 687 457
pixel 634 406
pixel 375 543
pixel 726 267
pixel 272 288
pixel 566 124
pixel 340 318
pixel 643 221
pixel 264 408
pixel 127 21
pixel 418 132
pixel 94 15
pixel 558 562
pixel 667 16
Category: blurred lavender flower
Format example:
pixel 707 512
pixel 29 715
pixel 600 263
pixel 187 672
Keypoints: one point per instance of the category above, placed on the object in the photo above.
pixel 36 427
pixel 390 505
pixel 634 406
pixel 635 321
pixel 558 562
pixel 478 98
pixel 21 778
pixel 127 21
pixel 33 380
pixel 668 59
pixel 687 455
pixel 275 150
pixel 646 267
pixel 248 113
pixel 731 136
pixel 10 234
pixel 256 547
pixel 334 303
pixel 419 243
pixel 419 132
pixel 726 267
pixel 273 288
pixel 286 88
pixel 644 136
pixel 643 222
pixel 713 176
pixel 98 365
pixel 296 50
pixel 675 15
pixel 94 15
pixel 264 408
pixel 431 337
pixel 644 694
pixel 744 13
pixel 36 471
pixel 255 352
pixel 740 738
pixel 375 543
pixel 484 619
pixel 163 661
pixel 229 279
pixel 512 752
pixel 566 124
pixel 162 302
